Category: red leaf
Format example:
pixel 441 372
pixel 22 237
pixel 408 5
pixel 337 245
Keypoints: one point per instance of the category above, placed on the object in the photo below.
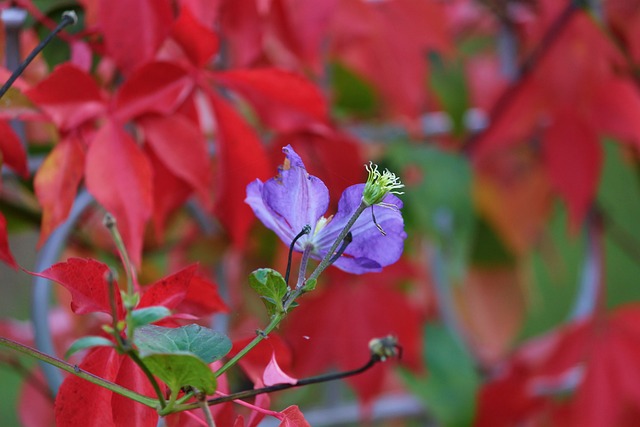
pixel 169 291
pixel 355 309
pixel 80 403
pixel 241 160
pixel 293 418
pixel 257 360
pixel 122 185
pixel 133 31
pixel 69 96
pixel 56 183
pixel 5 252
pixel 197 41
pixel 273 374
pixel 12 151
pixel 85 280
pixel 169 193
pixel 127 412
pixel 242 24
pixel 181 147
pixel 158 87
pixel 283 100
pixel 573 158
pixel 202 299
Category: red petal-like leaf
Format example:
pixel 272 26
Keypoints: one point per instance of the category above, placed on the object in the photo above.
pixel 355 309
pixel 197 41
pixel 12 151
pixel 573 157
pixel 69 96
pixel 273 374
pixel 284 101
pixel 56 183
pixel 181 146
pixel 118 175
pixel 293 418
pixel 242 24
pixel 169 291
pixel 241 160
pixel 80 403
pixel 5 252
pixel 202 299
pixel 158 87
pixel 133 31
pixel 127 412
pixel 85 280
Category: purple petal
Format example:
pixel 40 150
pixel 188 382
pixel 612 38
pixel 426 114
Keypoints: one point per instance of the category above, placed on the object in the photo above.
pixel 288 202
pixel 370 250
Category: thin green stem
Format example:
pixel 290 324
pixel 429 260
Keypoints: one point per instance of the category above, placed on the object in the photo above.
pixel 202 403
pixel 326 261
pixel 145 369
pixel 75 370
pixel 275 321
pixel 110 223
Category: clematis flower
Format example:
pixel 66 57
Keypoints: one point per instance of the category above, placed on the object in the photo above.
pixel 294 199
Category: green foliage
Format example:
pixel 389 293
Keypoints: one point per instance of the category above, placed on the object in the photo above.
pixel 88 342
pixel 438 202
pixel 178 370
pixel 449 388
pixel 271 287
pixel 448 81
pixel 146 315
pixel 352 94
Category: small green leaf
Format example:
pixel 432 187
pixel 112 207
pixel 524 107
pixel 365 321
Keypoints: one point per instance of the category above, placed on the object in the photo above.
pixel 309 285
pixel 88 342
pixel 204 343
pixel 270 285
pixel 178 370
pixel 144 316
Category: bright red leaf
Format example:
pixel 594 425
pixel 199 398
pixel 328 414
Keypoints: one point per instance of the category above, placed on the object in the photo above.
pixel 122 185
pixel 198 42
pixel 12 151
pixel 202 299
pixel 284 101
pixel 181 146
pixel 241 160
pixel 5 252
pixel 85 280
pixel 169 291
pixel 56 183
pixel 69 96
pixel 133 31
pixel 342 316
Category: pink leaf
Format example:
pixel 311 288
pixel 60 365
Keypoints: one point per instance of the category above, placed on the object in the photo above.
pixel 293 418
pixel 85 280
pixel 122 184
pixel 133 31
pixel 274 375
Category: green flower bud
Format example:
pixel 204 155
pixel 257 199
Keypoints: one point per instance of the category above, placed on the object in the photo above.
pixel 378 185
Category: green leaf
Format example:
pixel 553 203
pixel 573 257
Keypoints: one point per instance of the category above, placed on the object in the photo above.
pixel 88 342
pixel 449 82
pixel 144 316
pixel 178 370
pixel 451 384
pixel 270 285
pixel 204 343
pixel 353 95
pixel 309 285
pixel 438 200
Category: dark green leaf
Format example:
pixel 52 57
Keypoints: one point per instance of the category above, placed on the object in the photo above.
pixel 88 342
pixel 270 285
pixel 204 343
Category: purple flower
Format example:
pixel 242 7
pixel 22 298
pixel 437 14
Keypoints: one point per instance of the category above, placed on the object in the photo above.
pixel 293 199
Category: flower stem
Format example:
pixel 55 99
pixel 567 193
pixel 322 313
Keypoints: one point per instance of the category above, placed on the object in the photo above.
pixel 75 370
pixel 305 230
pixel 303 266
pixel 275 321
pixel 328 258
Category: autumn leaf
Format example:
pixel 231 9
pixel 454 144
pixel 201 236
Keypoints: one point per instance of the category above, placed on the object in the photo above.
pixel 5 252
